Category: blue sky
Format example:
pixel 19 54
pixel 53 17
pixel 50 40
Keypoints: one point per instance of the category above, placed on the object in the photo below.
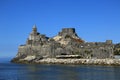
pixel 94 20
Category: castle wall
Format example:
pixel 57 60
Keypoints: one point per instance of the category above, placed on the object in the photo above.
pixel 39 44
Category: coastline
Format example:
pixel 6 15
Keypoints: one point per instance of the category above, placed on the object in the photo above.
pixel 70 61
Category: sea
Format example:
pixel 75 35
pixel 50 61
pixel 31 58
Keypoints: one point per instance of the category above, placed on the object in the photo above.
pixel 13 71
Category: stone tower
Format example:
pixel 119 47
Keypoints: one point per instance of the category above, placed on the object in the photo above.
pixel 108 41
pixel 34 30
pixel 33 34
pixel 67 31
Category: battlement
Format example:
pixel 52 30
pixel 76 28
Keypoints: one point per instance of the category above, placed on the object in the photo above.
pixel 108 41
pixel 68 30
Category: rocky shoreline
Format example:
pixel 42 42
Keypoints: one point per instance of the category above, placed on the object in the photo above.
pixel 70 61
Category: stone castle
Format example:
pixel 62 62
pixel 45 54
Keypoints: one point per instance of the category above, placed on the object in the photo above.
pixel 67 44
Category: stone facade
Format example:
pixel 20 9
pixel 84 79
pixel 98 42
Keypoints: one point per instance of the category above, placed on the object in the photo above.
pixel 66 42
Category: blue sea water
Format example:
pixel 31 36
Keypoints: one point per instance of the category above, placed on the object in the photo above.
pixel 12 71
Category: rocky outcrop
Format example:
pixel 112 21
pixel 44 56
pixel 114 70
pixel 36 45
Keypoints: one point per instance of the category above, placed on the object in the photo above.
pixel 67 35
pixel 65 44
pixel 80 61
pixel 31 60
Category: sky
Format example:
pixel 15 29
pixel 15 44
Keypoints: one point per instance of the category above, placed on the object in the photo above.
pixel 94 20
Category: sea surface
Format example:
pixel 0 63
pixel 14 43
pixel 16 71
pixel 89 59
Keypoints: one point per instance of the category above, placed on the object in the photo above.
pixel 12 71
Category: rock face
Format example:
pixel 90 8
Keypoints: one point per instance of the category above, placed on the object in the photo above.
pixel 67 42
pixel 67 35
pixel 80 61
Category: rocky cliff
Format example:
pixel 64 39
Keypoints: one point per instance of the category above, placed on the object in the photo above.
pixel 67 42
